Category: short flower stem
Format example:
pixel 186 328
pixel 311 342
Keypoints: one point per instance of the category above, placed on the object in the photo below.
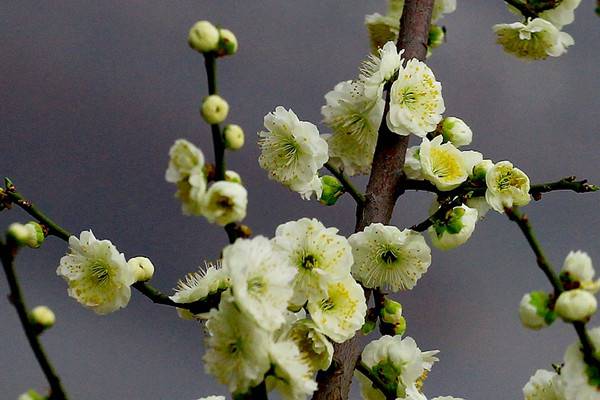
pixel 587 347
pixel 523 8
pixel 7 254
pixel 348 186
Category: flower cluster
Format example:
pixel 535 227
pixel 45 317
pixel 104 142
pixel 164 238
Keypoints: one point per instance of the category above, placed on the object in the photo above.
pixel 222 203
pixel 260 331
pixel 539 37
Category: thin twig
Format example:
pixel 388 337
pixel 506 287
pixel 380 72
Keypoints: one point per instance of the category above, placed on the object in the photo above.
pixel 348 186
pixel 210 64
pixel 7 254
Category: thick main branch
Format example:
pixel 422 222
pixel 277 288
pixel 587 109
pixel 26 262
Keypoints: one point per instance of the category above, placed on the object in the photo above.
pixel 382 190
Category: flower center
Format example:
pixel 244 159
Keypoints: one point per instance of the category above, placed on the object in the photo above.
pixel 327 304
pixel 309 262
pixel 256 285
pixel 389 256
pixel 225 202
pixel 444 165
pixel 100 273
pixel 508 179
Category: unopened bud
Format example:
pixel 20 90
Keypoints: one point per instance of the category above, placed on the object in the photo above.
pixel 332 190
pixel 391 313
pixel 30 234
pixel 43 317
pixel 228 43
pixel 368 327
pixel 142 267
pixel 481 168
pixel 214 109
pixel 534 312
pixel 436 36
pixel 455 131
pixel 203 37
pixel 232 176
pixel 233 136
pixel 31 395
pixel 576 305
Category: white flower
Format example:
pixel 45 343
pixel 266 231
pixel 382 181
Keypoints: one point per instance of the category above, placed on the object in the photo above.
pixel 455 230
pixel 563 14
pixel 237 349
pixel 398 361
pixel 341 311
pixel 185 160
pixel 292 151
pixel 533 309
pixel 315 349
pixel 416 103
pixel 386 257
pixel 455 131
pixel 480 204
pixel 355 120
pixel 576 305
pixel 199 285
pixel 441 7
pixel 319 254
pixel 444 165
pixel 260 280
pixel 543 385
pixel 97 274
pixel 191 192
pixel 412 163
pixel 380 68
pixel 225 202
pixel 291 376
pixel 578 268
pixel 576 375
pixel 535 40
pixel 507 186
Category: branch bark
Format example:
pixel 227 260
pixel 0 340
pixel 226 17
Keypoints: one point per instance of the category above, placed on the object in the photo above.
pixel 383 190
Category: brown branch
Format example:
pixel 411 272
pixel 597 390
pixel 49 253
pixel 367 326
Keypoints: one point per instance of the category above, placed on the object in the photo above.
pixel 382 190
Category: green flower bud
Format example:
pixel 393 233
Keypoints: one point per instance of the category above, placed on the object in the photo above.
pixel 203 37
pixel 437 35
pixel 534 311
pixel 368 327
pixel 228 43
pixel 214 109
pixel 30 234
pixel 332 190
pixel 233 136
pixel 576 305
pixel 480 170
pixel 31 395
pixel 391 313
pixel 455 131
pixel 142 267
pixel 42 317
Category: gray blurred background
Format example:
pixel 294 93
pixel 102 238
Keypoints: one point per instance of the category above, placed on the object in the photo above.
pixel 93 93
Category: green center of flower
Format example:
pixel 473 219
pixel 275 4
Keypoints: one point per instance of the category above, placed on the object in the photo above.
pixel 235 347
pixel 444 164
pixel 256 285
pixel 309 262
pixel 406 96
pixel 100 273
pixel 508 179
pixel 389 256
pixel 327 304
pixel 225 202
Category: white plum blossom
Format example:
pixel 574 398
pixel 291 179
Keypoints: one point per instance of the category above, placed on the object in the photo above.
pixel 543 385
pixel 580 382
pixel 185 160
pixel 380 68
pixel 355 120
pixel 412 163
pixel 98 275
pixel 292 151
pixel 291 377
pixel 416 103
pixel 225 202
pixel 341 311
pixel 385 257
pixel 444 165
pixel 315 349
pixel 319 255
pixel 399 361
pixel 455 230
pixel 578 267
pixel 260 280
pixel 507 186
pixel 237 349
pixel 382 29
pixel 535 40
pixel 199 285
